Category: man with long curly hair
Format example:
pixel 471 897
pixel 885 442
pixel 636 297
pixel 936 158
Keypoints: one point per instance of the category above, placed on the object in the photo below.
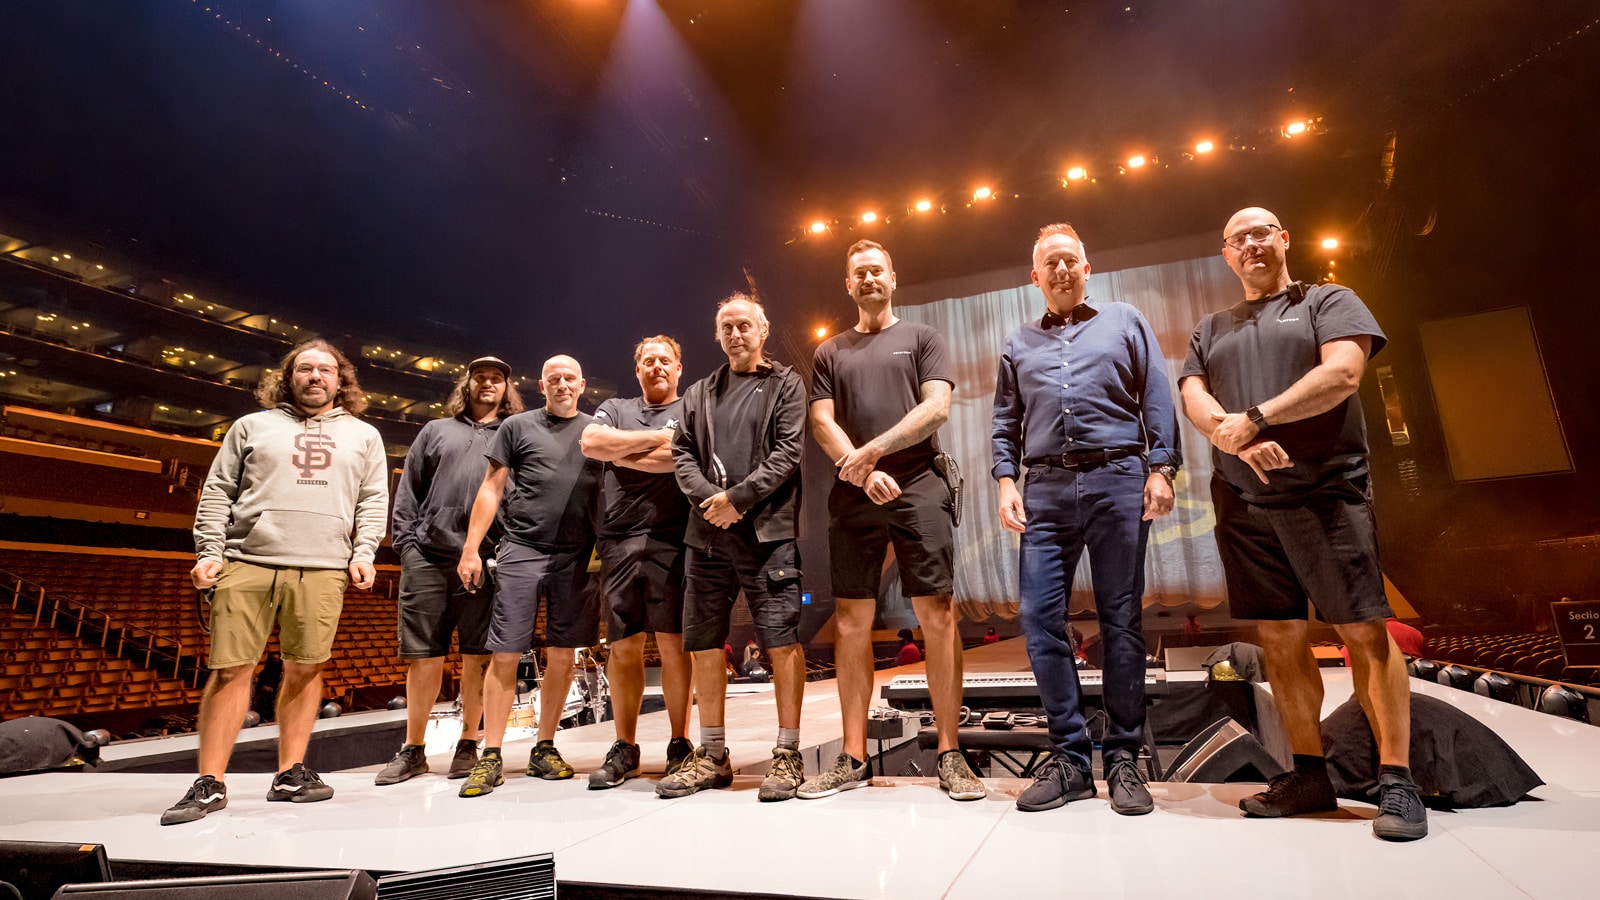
pixel 291 513
pixel 443 470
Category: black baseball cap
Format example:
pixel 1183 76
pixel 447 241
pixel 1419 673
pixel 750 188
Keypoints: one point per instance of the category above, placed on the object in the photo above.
pixel 493 362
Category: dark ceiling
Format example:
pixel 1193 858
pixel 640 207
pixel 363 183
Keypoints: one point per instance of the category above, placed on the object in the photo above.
pixel 531 177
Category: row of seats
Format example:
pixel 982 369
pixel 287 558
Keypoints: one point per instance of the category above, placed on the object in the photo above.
pixel 1532 654
pixel 24 433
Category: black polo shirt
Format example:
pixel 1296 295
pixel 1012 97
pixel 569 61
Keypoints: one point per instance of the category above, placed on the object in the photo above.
pixel 1253 351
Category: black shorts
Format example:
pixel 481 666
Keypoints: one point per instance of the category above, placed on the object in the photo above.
pixel 1322 549
pixel 641 577
pixel 524 577
pixel 433 606
pixel 768 573
pixel 918 524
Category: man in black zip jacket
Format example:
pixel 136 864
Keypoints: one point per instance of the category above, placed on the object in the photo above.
pixel 737 457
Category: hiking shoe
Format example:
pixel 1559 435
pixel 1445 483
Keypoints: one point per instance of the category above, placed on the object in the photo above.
pixel 956 777
pixel 1401 815
pixel 410 762
pixel 622 763
pixel 466 757
pixel 1294 793
pixel 678 750
pixel 1125 784
pixel 485 776
pixel 545 762
pixel 788 770
pixel 1055 783
pixel 845 774
pixel 298 784
pixel 699 772
pixel 206 795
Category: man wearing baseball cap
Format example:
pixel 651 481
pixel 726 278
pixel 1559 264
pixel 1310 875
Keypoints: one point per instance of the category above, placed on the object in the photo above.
pixel 443 470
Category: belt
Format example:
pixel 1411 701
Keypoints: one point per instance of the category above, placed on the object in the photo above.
pixel 1078 459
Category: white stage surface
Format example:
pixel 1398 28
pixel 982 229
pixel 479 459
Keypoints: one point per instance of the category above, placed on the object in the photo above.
pixel 899 838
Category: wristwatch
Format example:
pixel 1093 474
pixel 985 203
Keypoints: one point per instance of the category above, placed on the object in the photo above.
pixel 1256 418
pixel 1170 473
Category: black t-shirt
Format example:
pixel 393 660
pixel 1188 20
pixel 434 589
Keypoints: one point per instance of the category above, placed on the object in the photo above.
pixel 875 379
pixel 739 420
pixel 642 502
pixel 552 500
pixel 1253 351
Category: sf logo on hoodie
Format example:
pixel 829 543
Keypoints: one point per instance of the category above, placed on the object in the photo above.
pixel 315 455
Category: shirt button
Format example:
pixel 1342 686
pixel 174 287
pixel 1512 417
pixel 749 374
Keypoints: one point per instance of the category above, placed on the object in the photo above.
pixel 1072 440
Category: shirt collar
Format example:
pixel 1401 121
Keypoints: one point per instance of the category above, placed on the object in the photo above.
pixel 1083 312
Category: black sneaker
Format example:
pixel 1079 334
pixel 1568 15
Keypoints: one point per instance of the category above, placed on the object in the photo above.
pixel 410 762
pixel 678 751
pixel 1055 783
pixel 466 757
pixel 206 795
pixel 545 762
pixel 622 763
pixel 1294 793
pixel 298 784
pixel 1401 815
pixel 1125 784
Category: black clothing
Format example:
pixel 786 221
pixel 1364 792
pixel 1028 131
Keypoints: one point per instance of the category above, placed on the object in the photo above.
pixel 1253 351
pixel 433 501
pixel 638 502
pixel 874 379
pixel 769 497
pixel 552 498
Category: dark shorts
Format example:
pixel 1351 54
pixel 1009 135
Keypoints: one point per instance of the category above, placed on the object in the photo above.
pixel 526 577
pixel 768 573
pixel 917 524
pixel 642 580
pixel 433 606
pixel 1322 549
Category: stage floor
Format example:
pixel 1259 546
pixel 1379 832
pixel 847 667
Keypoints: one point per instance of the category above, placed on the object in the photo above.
pixel 899 838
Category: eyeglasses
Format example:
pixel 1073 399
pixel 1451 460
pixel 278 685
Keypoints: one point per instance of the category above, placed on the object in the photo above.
pixel 1258 235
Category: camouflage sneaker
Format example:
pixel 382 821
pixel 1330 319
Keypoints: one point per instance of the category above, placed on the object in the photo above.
pixel 956 777
pixel 699 772
pixel 678 751
pixel 485 777
pixel 466 757
pixel 545 762
pixel 622 763
pixel 784 777
pixel 846 774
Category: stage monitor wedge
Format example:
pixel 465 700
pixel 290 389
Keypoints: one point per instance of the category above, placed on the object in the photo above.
pixel 522 878
pixel 37 868
pixel 1224 752
pixel 335 884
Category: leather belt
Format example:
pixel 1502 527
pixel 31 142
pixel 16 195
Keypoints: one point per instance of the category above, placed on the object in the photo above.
pixel 1079 459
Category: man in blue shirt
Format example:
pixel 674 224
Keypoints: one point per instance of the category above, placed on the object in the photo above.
pixel 1083 402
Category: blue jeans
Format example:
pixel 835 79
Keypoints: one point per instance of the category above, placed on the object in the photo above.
pixel 1098 508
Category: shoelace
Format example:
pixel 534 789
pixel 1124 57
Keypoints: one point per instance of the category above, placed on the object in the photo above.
pixel 617 755
pixel 1397 799
pixel 1055 767
pixel 786 766
pixel 1125 774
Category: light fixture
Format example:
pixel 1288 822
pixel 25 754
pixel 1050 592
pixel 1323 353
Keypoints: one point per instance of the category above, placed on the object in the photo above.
pixel 1294 128
pixel 868 217
pixel 1077 173
pixel 1204 147
pixel 821 332
pixel 819 227
pixel 924 205
pixel 1136 161
pixel 1330 243
pixel 982 193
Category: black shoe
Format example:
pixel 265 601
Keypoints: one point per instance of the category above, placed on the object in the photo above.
pixel 206 795
pixel 1125 784
pixel 622 763
pixel 1401 815
pixel 1056 782
pixel 678 752
pixel 410 762
pixel 298 784
pixel 466 757
pixel 1294 793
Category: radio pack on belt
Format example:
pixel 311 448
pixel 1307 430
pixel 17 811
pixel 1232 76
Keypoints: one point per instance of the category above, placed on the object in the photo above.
pixel 946 466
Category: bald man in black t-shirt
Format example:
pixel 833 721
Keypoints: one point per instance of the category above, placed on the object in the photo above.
pixel 1272 381
pixel 879 393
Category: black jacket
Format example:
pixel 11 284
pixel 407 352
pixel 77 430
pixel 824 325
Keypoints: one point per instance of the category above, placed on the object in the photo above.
pixel 770 497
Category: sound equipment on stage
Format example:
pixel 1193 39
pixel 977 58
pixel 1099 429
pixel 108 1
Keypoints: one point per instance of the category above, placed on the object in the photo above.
pixel 37 868
pixel 1006 689
pixel 333 884
pixel 1187 659
pixel 523 878
pixel 1224 752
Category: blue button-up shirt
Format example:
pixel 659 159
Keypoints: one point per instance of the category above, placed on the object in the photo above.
pixel 1095 380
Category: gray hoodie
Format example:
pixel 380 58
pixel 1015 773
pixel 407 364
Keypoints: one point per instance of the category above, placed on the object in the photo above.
pixel 286 490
